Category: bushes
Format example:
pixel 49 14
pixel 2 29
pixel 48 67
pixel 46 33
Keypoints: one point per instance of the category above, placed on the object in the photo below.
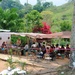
pixel 23 39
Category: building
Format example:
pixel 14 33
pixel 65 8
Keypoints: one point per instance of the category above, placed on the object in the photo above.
pixel 4 36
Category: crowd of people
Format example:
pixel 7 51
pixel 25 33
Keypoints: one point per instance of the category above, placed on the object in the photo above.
pixel 5 47
pixel 42 49
pixel 52 50
pixel 55 51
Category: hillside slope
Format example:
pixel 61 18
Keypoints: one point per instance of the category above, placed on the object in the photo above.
pixel 63 12
pixel 60 14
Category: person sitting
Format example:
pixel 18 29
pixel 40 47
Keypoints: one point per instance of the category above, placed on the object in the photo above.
pixel 52 53
pixel 26 47
pixel 43 49
pixel 57 47
pixel 67 50
pixel 62 51
pixel 18 43
pixel 47 49
pixel 53 46
pixel 40 54
pixel 34 45
pixel 56 50
pixel 3 47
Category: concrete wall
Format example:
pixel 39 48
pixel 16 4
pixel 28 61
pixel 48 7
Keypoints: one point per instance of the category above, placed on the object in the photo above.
pixel 4 37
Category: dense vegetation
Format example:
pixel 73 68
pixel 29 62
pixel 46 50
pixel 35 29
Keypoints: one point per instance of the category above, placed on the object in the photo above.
pixel 14 15
pixel 24 18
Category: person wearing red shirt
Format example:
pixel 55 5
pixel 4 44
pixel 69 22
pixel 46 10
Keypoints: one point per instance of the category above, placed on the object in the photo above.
pixel 52 53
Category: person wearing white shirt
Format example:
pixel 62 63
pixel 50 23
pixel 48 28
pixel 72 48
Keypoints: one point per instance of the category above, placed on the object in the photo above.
pixel 26 47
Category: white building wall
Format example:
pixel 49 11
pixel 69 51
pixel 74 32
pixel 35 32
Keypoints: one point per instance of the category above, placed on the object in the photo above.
pixel 4 37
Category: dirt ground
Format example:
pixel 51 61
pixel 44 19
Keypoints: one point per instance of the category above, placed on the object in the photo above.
pixel 36 66
pixel 32 69
pixel 29 68
pixel 3 65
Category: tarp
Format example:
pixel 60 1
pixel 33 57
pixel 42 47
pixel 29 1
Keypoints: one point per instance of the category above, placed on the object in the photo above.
pixel 64 34
pixel 32 35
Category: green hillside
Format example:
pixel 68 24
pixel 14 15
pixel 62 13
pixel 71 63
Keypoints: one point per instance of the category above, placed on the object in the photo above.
pixel 65 10
pixel 60 14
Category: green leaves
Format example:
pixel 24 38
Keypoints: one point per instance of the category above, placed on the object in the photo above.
pixel 22 64
pixel 0 0
pixel 65 26
pixel 47 16
pixel 8 4
pixel 33 18
pixel 9 19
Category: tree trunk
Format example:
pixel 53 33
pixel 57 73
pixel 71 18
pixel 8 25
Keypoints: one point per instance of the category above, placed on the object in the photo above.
pixel 72 57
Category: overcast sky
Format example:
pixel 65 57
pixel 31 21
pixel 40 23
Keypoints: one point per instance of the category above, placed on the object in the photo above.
pixel 55 2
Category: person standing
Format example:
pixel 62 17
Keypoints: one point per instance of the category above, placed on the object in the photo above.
pixel 18 42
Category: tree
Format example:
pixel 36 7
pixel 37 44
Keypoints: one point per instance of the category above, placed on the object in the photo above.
pixel 64 17
pixel 27 8
pixel 39 2
pixel 33 19
pixel 0 0
pixel 72 57
pixel 45 29
pixel 9 19
pixel 6 4
pixel 47 16
pixel 65 26
pixel 38 6
pixel 47 4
